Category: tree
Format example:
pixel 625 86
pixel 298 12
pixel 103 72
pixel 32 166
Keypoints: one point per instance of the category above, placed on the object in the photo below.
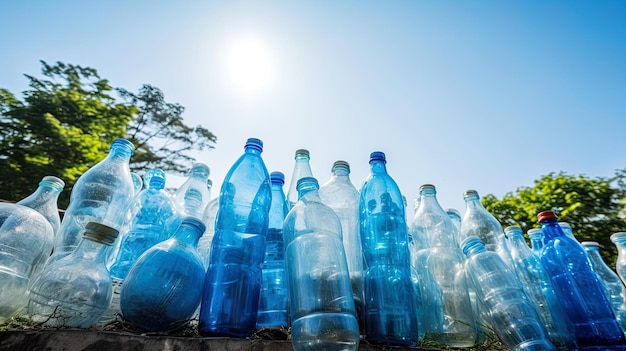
pixel 67 122
pixel 593 207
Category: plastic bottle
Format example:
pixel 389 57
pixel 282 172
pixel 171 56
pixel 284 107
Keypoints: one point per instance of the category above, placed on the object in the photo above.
pixel 619 239
pixel 191 198
pixel 102 194
pixel 536 237
pixel 538 288
pixel 26 239
pixel 513 316
pixel 613 286
pixel 233 280
pixel 209 216
pixel 456 217
pixel 323 316
pixel 272 311
pixel 578 289
pixel 342 196
pixel 448 311
pixel 163 289
pixel 301 168
pixel 389 304
pixel 44 200
pixel 75 290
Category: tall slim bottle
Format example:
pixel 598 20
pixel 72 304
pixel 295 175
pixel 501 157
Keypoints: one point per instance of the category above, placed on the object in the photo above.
pixel 274 293
pixel 301 168
pixel 536 237
pixel 578 289
pixel 342 196
pixel 44 200
pixel 102 194
pixel 230 299
pixel 322 311
pixel 389 306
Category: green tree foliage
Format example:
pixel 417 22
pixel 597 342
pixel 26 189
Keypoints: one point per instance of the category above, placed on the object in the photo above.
pixel 68 120
pixel 594 207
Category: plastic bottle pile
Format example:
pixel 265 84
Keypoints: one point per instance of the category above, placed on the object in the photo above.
pixel 333 263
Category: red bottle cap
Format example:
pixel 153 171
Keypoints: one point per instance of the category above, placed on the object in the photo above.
pixel 546 215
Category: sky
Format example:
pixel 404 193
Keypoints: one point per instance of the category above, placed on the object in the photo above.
pixel 484 95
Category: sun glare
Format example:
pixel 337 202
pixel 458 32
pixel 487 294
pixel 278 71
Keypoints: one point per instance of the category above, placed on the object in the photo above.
pixel 249 65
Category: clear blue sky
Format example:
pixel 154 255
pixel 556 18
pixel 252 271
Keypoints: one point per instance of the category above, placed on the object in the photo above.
pixel 485 95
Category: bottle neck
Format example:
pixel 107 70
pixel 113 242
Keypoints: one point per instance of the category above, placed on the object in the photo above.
pixel 551 229
pixel 188 235
pixel 378 167
pixel 90 250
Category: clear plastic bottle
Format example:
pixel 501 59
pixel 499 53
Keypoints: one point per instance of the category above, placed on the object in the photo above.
pixel 233 280
pixel 209 216
pixel 614 288
pixel 513 315
pixel 538 288
pixel 536 237
pixel 323 316
pixel 389 304
pixel 342 196
pixel 448 311
pixel 301 168
pixel 102 194
pixel 163 289
pixel 26 239
pixel 619 239
pixel 193 195
pixel 75 290
pixel 272 311
pixel 578 289
pixel 44 200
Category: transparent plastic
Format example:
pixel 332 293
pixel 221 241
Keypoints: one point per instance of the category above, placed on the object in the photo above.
pixel 272 311
pixel 233 280
pixel 193 195
pixel 323 316
pixel 102 194
pixel 163 289
pixel 26 239
pixel 536 237
pixel 209 216
pixel 301 168
pixel 513 315
pixel 342 196
pixel 44 200
pixel 578 289
pixel 619 240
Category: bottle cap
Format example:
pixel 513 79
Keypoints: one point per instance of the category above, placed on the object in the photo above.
pixel 513 229
pixel 426 187
pixel 341 164
pixel 302 152
pixel 255 143
pixel 54 180
pixel 277 177
pixel 377 156
pixel 124 143
pixel 470 193
pixel 542 216
pixel 101 233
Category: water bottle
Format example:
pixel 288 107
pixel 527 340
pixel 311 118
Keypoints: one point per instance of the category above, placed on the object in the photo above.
pixel 448 311
pixel 209 216
pixel 44 200
pixel 102 194
pixel 613 286
pixel 163 288
pixel 191 198
pixel 26 239
pixel 512 314
pixel 536 237
pixel 578 289
pixel 272 312
pixel 233 280
pixel 619 239
pixel 342 196
pixel 456 218
pixel 321 304
pixel 538 288
pixel 389 305
pixel 75 290
pixel 301 168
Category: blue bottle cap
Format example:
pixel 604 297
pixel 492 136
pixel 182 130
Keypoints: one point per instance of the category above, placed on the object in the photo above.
pixel 254 143
pixel 377 156
pixel 277 177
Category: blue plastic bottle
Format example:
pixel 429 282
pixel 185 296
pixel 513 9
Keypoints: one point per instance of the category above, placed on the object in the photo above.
pixel 323 316
pixel 163 288
pixel 512 314
pixel 233 280
pixel 274 293
pixel 578 289
pixel 389 306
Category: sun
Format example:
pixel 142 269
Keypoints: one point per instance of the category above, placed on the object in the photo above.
pixel 249 65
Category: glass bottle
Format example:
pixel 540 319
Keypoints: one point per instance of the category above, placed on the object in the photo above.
pixel 323 316
pixel 233 280
pixel 163 288
pixel 272 311
pixel 536 237
pixel 342 196
pixel 26 239
pixel 75 290
pixel 538 288
pixel 619 239
pixel 301 168
pixel 513 315
pixel 448 311
pixel 102 194
pixel 389 304
pixel 44 200
pixel 613 286
pixel 578 289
